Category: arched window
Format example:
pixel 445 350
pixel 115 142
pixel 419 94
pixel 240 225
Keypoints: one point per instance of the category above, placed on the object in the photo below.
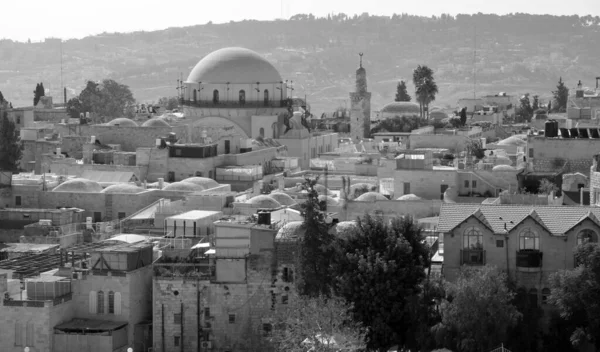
pixel 261 132
pixel 93 302
pixel 586 236
pixel 473 239
pixel 215 96
pixel 100 302
pixel 195 96
pixel 545 295
pixel 117 303
pixel 529 240
pixel 111 302
pixel 266 97
pixel 242 96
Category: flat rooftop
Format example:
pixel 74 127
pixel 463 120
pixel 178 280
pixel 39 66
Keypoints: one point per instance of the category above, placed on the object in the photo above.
pixel 194 215
pixel 33 265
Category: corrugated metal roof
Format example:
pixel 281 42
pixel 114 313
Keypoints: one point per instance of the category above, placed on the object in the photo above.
pixel 556 219
pixel 108 176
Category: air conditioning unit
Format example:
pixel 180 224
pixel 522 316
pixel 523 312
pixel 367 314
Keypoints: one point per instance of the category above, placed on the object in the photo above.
pixel 206 345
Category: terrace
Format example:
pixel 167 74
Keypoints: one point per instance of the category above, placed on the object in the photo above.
pixel 200 268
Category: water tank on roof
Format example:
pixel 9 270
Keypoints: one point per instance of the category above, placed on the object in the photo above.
pixel 549 129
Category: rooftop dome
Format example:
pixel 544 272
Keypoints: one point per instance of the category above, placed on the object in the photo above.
pixel 322 190
pixel 450 195
pixel 183 187
pixel 370 197
pixel 293 230
pixel 129 188
pixel 409 197
pixel 282 198
pixel 202 181
pixel 503 168
pixel 236 66
pixel 264 201
pixel 79 185
pixel 515 140
pixel 344 228
pixel 156 122
pixel 401 107
pixel 330 200
pixel 122 121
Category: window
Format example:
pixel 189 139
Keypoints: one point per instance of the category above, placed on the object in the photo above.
pixel 284 299
pixel 288 275
pixel 531 152
pixel 545 295
pixel 267 328
pixel 466 183
pixel 474 183
pixel 406 187
pixel 231 318
pixel 18 201
pixel 177 318
pixel 473 239
pixel 97 216
pixel 195 96
pixel 111 302
pixel 207 312
pixel 176 341
pixel 100 303
pixel 261 132
pixel 500 243
pixel 29 337
pixel 18 120
pixel 580 185
pixel 266 97
pixel 93 305
pixel 215 96
pixel 586 236
pixel 122 215
pixel 529 240
pixel 242 96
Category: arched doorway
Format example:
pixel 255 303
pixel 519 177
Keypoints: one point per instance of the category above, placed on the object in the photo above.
pixel 261 132
pixel 215 96
pixel 195 96
pixel 242 96
pixel 266 97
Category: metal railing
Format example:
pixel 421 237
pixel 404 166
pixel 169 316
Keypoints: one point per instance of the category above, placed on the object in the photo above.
pixel 472 257
pixel 529 258
pixel 236 104
pixel 38 303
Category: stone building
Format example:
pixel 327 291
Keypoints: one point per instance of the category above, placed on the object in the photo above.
pixel 529 242
pixel 360 115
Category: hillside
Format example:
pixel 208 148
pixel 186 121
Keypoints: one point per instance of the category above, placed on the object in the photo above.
pixel 515 53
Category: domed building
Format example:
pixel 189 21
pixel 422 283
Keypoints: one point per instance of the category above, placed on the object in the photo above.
pixel 79 185
pixel 409 197
pixel 121 188
pixel 205 182
pixel 183 187
pixel 122 121
pixel 370 197
pixel 156 122
pixel 283 198
pixel 291 231
pixel 400 109
pixel 438 115
pixel 330 200
pixel 264 202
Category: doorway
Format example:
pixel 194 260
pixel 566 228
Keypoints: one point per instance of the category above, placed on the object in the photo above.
pixel 227 146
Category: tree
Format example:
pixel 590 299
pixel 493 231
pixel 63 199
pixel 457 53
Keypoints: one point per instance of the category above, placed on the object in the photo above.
pixel 74 108
pixel 1 98
pixel 525 108
pixel 463 116
pixel 10 145
pixel 547 187
pixel 319 322
pixel 315 246
pixel 576 294
pixel 536 103
pixel 479 311
pixel 426 88
pixel 561 96
pixel 401 92
pixel 475 148
pixel 379 268
pixel 38 93
pixel 109 99
pixel 169 103
pixel 399 124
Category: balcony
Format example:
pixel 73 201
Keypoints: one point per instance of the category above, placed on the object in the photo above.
pixel 38 303
pixel 236 104
pixel 529 260
pixel 472 257
pixel 201 269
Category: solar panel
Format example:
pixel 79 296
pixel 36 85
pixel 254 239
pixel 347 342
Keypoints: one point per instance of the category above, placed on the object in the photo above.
pixel 564 133
pixel 583 133
pixel 574 133
pixel 594 133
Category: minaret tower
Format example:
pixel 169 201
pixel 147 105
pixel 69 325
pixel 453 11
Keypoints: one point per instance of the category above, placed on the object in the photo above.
pixel 360 114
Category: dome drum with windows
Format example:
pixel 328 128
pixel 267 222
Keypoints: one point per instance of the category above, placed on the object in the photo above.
pixel 234 77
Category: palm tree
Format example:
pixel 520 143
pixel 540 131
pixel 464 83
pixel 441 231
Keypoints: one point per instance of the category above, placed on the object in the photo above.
pixel 426 88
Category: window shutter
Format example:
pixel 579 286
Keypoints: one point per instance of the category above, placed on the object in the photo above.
pixel 29 338
pixel 117 303
pixel 93 302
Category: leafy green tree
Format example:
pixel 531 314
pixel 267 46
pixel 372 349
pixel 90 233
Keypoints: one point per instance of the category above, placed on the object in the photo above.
pixel 547 187
pixel 475 148
pixel 525 108
pixel 401 92
pixel 38 93
pixel 379 268
pixel 479 309
pixel 426 88
pixel 169 103
pixel 463 116
pixel 315 246
pixel 321 324
pixel 74 108
pixel 108 99
pixel 10 145
pixel 424 312
pixel 536 103
pixel 576 294
pixel 561 96
pixel 399 124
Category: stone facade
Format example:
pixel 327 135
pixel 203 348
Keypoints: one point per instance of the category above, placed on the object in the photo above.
pixel 360 100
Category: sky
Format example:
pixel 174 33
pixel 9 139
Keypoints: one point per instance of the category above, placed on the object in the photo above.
pixel 38 19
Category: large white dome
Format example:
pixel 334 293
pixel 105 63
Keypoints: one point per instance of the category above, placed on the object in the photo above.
pixel 234 66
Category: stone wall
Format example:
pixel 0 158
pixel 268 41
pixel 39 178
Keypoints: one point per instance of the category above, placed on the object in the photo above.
pixel 390 209
pixel 424 183
pixel 456 143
